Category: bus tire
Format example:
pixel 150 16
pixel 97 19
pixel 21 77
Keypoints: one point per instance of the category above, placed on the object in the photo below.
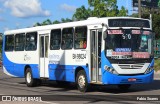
pixel 81 81
pixel 30 81
pixel 124 86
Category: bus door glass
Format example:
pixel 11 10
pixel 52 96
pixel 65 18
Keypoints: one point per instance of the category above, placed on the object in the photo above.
pixel 44 56
pixel 96 37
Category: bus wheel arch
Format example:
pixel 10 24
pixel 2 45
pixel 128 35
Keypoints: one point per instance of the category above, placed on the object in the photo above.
pixel 81 79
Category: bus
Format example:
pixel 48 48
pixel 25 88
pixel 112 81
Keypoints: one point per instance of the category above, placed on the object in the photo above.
pixel 110 50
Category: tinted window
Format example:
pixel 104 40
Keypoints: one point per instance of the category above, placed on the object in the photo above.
pixel 67 38
pixel 31 41
pixel 80 37
pixel 19 42
pixel 55 39
pixel 9 42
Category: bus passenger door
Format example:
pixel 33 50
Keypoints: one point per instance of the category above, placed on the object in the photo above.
pixel 96 40
pixel 44 73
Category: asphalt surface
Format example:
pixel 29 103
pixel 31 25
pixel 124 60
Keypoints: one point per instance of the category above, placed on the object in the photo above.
pixel 51 93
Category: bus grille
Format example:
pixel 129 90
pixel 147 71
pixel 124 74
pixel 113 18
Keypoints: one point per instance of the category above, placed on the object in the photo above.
pixel 131 66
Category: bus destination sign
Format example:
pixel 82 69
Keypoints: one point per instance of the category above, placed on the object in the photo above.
pixel 128 23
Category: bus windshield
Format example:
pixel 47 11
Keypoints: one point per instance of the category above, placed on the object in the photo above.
pixel 129 44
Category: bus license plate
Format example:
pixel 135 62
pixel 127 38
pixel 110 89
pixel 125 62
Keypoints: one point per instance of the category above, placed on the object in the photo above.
pixel 132 79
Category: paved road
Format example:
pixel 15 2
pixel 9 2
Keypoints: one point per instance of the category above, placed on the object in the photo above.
pixel 68 94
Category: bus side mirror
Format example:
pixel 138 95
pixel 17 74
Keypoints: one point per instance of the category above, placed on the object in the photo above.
pixel 104 35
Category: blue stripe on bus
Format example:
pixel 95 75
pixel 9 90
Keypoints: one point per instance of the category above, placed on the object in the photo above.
pixel 18 69
pixel 65 72
pixel 56 72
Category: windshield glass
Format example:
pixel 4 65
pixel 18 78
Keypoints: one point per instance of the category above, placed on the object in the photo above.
pixel 129 44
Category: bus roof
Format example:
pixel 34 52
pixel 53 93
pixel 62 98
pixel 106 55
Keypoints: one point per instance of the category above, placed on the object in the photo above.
pixel 89 21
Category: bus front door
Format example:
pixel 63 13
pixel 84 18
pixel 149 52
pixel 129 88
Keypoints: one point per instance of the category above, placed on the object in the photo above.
pixel 44 39
pixel 96 40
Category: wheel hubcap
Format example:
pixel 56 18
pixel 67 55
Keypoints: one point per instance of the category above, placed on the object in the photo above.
pixel 81 81
pixel 28 77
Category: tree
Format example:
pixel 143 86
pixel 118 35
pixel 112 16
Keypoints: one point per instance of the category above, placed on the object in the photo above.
pixel 159 3
pixel 63 20
pixel 104 8
pixel 156 25
pixel 37 24
pixel 100 8
pixel 47 22
pixel 55 22
pixel 122 12
pixel 155 21
pixel 82 13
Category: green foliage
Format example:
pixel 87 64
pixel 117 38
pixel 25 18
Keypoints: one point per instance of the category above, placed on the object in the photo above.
pixel 155 20
pixel 37 24
pixel 134 15
pixel 156 25
pixel 122 12
pixel 55 22
pixel 82 13
pixel 66 20
pixel 47 22
pixel 159 3
pixel 157 64
pixel 103 8
pixel 100 8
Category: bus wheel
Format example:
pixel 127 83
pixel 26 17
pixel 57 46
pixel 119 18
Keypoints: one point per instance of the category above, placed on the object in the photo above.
pixel 124 86
pixel 29 78
pixel 81 81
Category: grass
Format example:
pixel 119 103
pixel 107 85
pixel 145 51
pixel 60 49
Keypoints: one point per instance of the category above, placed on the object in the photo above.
pixel 157 64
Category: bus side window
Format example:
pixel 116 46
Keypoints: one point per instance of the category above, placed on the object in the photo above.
pixel 80 37
pixel 67 38
pixel 19 42
pixel 55 40
pixel 31 41
pixel 9 42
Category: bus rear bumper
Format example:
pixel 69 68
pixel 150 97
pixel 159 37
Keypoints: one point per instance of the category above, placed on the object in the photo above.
pixel 137 79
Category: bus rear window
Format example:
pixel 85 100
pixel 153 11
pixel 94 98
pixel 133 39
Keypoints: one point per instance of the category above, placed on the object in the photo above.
pixel 9 42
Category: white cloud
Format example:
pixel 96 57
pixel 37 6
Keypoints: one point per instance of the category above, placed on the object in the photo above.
pixel 26 8
pixel 68 8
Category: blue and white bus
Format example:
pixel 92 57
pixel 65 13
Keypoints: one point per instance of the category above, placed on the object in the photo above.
pixel 111 50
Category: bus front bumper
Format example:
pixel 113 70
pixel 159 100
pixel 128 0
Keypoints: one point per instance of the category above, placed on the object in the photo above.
pixel 110 78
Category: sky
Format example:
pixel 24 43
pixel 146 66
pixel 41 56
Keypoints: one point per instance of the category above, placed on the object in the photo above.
pixel 15 14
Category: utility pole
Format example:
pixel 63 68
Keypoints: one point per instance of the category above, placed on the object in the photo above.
pixel 139 8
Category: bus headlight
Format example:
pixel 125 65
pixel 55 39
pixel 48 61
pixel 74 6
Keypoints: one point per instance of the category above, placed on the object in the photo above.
pixel 111 70
pixel 148 70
